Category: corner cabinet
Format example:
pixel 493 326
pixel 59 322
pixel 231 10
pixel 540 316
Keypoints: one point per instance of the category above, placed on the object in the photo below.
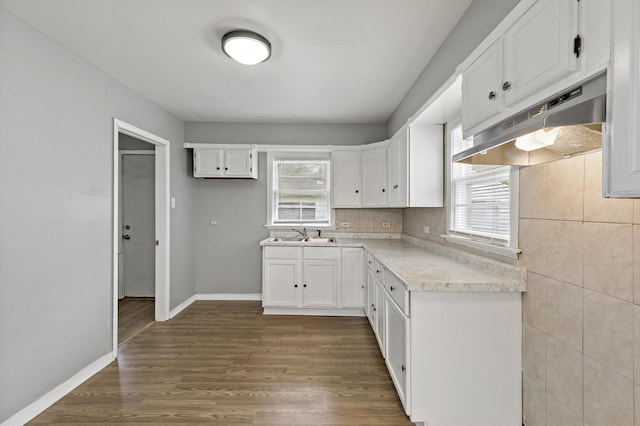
pixel 622 146
pixel 374 174
pixel 224 161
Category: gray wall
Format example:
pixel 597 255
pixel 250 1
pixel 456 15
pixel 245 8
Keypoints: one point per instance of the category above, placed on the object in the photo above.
pixel 56 132
pixel 228 258
pixel 284 133
pixel 478 21
pixel 131 143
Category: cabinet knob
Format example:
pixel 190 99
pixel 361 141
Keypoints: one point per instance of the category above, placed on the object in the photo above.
pixel 296 285
pixel 217 168
pixel 384 190
pixel 226 168
pixel 374 309
pixel 377 271
pixel 506 86
pixel 492 95
pixel 391 289
pixel 370 262
pixel 304 285
pixel 357 192
pixel 403 368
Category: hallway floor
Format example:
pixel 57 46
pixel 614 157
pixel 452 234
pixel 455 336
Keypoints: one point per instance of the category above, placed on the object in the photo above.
pixel 134 315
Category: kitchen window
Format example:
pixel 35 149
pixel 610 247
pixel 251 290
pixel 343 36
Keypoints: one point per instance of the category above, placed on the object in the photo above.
pixel 300 191
pixel 482 202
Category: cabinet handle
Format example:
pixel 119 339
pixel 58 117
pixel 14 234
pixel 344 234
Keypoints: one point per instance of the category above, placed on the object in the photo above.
pixel 370 262
pixel 395 186
pixel 384 190
pixel 391 289
pixel 357 192
pixel 226 168
pixel 304 285
pixel 217 168
pixel 506 86
pixel 377 271
pixel 403 368
pixel 492 95
pixel 295 285
pixel 361 286
pixel 374 309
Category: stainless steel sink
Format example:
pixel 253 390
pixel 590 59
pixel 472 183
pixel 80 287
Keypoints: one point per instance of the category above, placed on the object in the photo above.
pixel 304 240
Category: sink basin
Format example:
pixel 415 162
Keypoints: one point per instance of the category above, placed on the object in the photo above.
pixel 320 240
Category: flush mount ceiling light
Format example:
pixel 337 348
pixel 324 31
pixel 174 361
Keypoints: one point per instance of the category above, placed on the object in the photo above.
pixel 246 47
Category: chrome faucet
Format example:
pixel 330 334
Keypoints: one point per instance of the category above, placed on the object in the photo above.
pixel 303 233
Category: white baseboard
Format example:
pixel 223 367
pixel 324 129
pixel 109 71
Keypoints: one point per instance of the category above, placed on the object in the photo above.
pixel 47 400
pixel 181 307
pixel 229 296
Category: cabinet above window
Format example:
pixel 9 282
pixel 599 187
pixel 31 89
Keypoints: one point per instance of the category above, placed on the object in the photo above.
pixel 224 161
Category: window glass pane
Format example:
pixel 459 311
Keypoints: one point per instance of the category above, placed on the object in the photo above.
pixel 301 192
pixel 480 197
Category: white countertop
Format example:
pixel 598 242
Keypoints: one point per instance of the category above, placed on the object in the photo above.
pixel 422 269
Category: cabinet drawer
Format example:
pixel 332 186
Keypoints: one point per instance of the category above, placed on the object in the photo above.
pixel 271 252
pixel 379 271
pixel 321 253
pixel 370 261
pixel 397 291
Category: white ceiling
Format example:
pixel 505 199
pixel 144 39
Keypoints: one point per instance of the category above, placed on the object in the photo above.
pixel 333 61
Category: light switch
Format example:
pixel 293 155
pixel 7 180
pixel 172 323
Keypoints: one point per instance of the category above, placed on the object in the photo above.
pixel 213 222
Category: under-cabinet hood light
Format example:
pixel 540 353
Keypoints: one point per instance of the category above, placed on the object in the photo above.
pixel 536 140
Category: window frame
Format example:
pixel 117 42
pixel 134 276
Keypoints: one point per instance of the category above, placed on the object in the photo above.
pixel 297 156
pixel 510 249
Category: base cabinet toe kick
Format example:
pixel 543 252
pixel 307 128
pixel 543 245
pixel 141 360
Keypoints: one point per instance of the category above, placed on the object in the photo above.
pixel 455 357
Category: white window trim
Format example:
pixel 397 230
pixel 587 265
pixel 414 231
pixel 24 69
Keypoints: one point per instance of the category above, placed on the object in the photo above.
pixel 295 155
pixel 511 251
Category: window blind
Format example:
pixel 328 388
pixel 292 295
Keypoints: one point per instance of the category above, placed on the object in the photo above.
pixel 301 191
pixel 479 198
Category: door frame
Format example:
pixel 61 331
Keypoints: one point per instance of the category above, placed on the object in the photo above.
pixel 162 216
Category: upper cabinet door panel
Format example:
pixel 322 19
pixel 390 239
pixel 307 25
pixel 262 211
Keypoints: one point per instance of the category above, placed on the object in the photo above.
pixel 482 87
pixel 207 162
pixel 345 178
pixel 538 48
pixel 374 176
pixel 238 162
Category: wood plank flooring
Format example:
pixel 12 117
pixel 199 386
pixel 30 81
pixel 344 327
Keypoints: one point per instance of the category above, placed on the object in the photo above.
pixel 226 363
pixel 134 315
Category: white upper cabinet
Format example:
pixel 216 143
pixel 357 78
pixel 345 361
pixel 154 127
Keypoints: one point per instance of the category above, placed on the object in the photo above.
pixel 482 86
pixel 622 146
pixel 224 161
pixel 374 175
pixel 539 48
pixel 346 178
pixel 398 169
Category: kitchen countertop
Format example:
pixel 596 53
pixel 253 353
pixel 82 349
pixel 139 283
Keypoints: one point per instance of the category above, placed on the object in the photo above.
pixel 423 269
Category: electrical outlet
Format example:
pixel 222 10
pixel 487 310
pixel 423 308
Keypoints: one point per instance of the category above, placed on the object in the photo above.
pixel 386 224
pixel 345 224
pixel 426 229
pixel 213 222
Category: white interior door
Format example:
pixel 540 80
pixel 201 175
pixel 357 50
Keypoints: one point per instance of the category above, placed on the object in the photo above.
pixel 138 225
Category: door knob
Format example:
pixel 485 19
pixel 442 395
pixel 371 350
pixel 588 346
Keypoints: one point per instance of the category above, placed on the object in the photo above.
pixel 126 236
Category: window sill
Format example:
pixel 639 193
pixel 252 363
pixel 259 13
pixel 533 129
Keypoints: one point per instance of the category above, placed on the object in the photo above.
pixel 510 252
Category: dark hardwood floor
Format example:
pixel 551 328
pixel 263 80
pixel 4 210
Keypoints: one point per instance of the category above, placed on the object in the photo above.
pixel 226 363
pixel 134 315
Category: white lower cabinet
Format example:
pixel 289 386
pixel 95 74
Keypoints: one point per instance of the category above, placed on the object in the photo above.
pixel 308 280
pixel 397 331
pixel 454 357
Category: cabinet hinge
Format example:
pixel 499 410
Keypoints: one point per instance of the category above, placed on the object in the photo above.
pixel 577 45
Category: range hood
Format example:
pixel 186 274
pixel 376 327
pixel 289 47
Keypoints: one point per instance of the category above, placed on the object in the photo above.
pixel 566 124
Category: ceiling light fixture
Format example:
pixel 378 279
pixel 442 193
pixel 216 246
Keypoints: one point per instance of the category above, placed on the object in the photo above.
pixel 246 47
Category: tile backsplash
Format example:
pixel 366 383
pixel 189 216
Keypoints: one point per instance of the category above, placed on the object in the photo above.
pixel 581 319
pixel 368 220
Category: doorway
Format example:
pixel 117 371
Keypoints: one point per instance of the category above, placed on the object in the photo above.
pixel 140 225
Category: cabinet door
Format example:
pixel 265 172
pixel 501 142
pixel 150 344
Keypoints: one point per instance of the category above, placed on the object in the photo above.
pixel 538 48
pixel 482 87
pixel 374 177
pixel 399 169
pixel 238 162
pixel 352 277
pixel 320 284
pixel 379 317
pixel 371 299
pixel 621 162
pixel 281 283
pixel 345 178
pixel 207 162
pixel 397 332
